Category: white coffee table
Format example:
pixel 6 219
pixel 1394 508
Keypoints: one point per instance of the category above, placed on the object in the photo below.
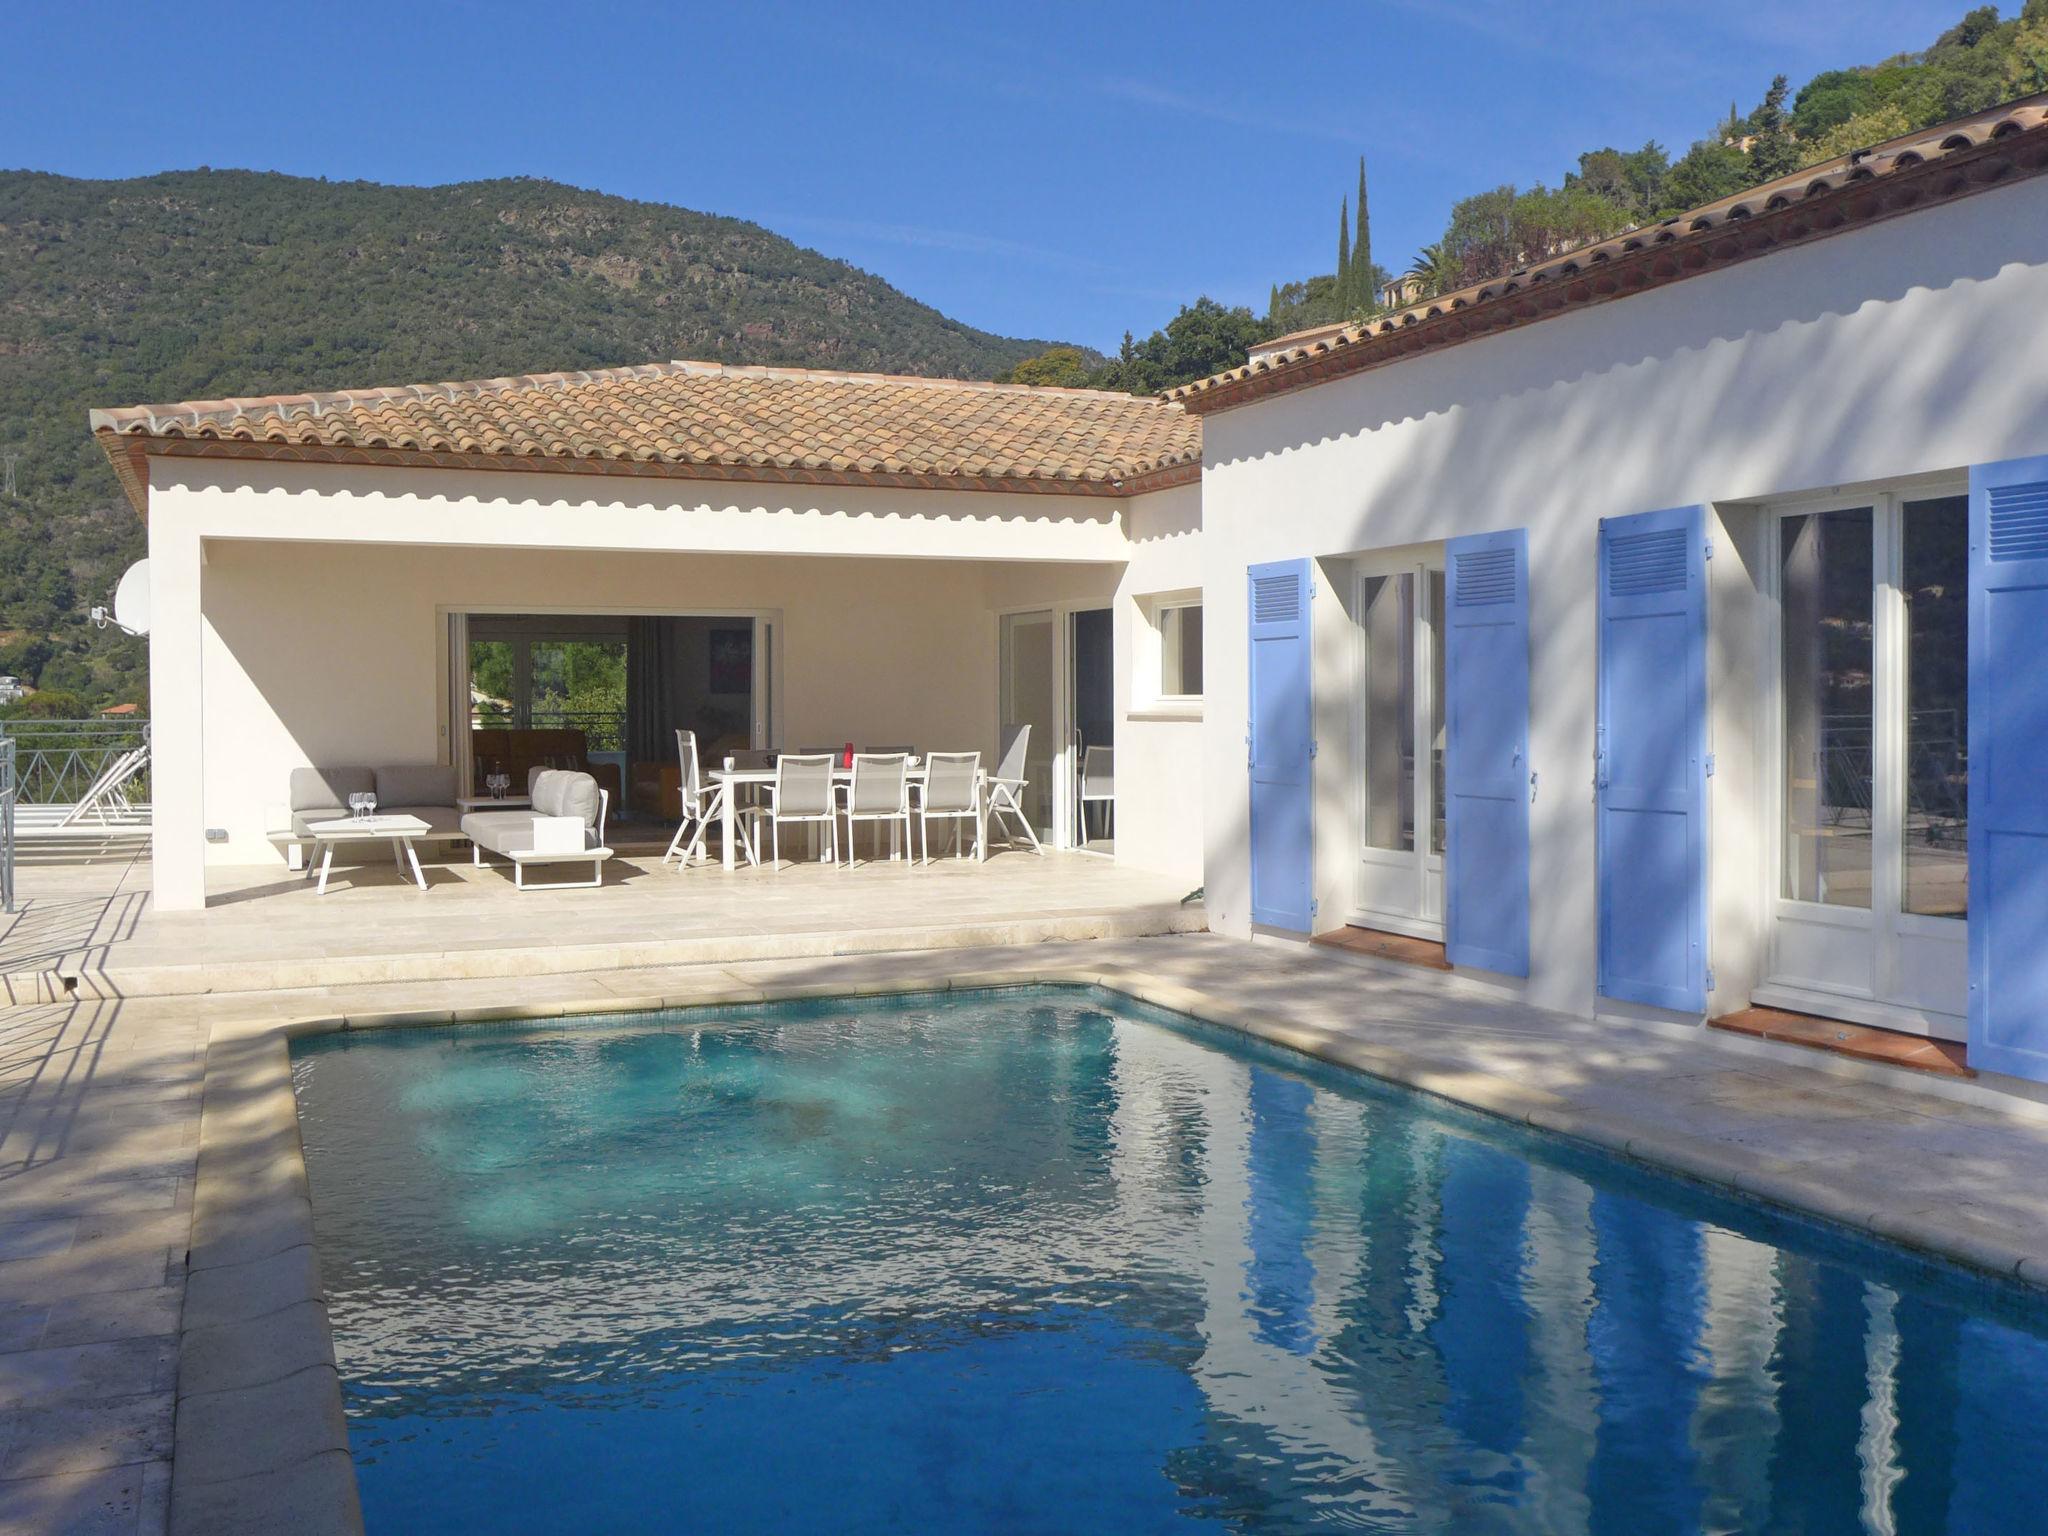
pixel 399 831
pixel 468 803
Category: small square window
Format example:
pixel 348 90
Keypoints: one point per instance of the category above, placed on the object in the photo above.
pixel 1180 651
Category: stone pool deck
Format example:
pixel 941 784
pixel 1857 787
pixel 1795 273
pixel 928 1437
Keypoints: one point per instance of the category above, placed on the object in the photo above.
pixel 164 1356
pixel 90 929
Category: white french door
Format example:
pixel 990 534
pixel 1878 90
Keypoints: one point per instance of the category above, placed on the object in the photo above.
pixel 1399 723
pixel 1868 760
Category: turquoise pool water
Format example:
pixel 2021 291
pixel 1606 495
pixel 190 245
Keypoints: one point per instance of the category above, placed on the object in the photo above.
pixel 1039 1262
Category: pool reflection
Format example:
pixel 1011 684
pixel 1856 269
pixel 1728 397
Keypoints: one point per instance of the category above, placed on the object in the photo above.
pixel 1019 1262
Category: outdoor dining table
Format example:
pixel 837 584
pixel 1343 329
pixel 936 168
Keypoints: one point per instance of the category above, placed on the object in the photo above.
pixel 734 779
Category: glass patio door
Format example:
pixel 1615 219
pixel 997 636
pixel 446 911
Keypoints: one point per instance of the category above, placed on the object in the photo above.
pixel 1871 897
pixel 1400 724
pixel 1091 690
pixel 1027 693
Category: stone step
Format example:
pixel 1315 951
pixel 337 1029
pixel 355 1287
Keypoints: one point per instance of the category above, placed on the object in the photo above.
pixel 86 977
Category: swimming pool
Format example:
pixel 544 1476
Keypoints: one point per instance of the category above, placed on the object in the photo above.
pixel 1043 1260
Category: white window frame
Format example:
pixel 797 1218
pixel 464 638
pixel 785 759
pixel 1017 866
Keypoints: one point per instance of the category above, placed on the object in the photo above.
pixel 1887 926
pixel 1425 917
pixel 1149 698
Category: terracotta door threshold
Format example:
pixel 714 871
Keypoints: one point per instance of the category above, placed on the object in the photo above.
pixel 1917 1053
pixel 1386 946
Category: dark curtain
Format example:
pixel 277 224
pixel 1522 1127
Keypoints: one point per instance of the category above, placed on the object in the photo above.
pixel 654 685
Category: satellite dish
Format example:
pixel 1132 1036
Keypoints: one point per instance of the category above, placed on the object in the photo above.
pixel 131 599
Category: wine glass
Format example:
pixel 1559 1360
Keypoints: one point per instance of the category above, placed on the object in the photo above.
pixel 497 784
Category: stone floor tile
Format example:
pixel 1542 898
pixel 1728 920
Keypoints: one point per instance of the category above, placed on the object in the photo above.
pixel 86 1372
pixel 36 1239
pixel 22 1323
pixel 107 1315
pixel 116 1501
pixel 51 1439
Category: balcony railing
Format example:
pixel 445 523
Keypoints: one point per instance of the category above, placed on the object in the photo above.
pixel 57 761
pixel 6 825
pixel 604 730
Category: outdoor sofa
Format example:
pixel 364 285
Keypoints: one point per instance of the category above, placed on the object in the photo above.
pixel 425 790
pixel 548 833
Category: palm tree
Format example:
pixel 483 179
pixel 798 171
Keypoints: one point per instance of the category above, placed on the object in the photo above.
pixel 1436 268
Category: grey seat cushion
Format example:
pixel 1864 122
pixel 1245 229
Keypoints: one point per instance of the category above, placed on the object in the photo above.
pixel 507 832
pixel 499 831
pixel 328 789
pixel 562 792
pixel 416 784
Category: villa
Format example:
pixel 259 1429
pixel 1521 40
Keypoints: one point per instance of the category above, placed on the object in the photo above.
pixel 1442 762
pixel 1639 657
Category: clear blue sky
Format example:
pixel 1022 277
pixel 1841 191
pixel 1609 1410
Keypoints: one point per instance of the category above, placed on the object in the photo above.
pixel 1037 169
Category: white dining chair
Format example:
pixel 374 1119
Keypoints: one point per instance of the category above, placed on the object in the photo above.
pixel 951 790
pixel 878 792
pixel 1005 788
pixel 702 807
pixel 800 794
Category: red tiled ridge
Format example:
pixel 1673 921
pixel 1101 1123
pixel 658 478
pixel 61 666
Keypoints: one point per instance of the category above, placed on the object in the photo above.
pixel 1944 1058
pixel 1919 170
pixel 697 419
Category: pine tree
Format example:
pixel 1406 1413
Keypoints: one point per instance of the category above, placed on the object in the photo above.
pixel 1362 296
pixel 1344 246
pixel 1273 302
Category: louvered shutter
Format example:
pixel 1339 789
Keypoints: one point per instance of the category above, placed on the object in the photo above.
pixel 2008 767
pixel 1486 752
pixel 1650 759
pixel 1280 743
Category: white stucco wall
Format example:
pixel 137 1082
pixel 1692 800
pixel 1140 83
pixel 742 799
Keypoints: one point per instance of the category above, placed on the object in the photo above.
pixel 299 613
pixel 1159 750
pixel 1911 346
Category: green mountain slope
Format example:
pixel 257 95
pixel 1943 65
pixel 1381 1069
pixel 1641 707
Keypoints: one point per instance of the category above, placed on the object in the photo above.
pixel 198 284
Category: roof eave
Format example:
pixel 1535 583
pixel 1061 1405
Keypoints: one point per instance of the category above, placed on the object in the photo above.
pixel 126 455
pixel 129 453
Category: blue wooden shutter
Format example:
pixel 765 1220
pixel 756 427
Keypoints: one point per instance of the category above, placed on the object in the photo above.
pixel 1486 752
pixel 1280 741
pixel 2009 767
pixel 1650 759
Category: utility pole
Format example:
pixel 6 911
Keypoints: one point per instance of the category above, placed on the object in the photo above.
pixel 9 460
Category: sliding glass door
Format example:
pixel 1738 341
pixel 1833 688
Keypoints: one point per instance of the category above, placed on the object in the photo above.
pixel 1872 781
pixel 605 693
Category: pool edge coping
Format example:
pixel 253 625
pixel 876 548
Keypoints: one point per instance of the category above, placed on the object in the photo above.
pixel 265 1417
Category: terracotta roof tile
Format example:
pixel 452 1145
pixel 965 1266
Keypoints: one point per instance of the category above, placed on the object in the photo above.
pixel 1918 170
pixel 698 419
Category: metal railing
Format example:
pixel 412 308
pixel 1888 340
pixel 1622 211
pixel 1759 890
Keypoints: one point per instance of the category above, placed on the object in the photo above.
pixel 6 824
pixel 58 761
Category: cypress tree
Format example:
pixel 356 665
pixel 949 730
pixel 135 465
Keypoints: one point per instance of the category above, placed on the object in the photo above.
pixel 1344 247
pixel 1362 296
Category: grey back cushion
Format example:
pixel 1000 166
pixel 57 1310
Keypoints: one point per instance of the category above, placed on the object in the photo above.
pixel 563 792
pixel 328 789
pixel 540 789
pixel 421 784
